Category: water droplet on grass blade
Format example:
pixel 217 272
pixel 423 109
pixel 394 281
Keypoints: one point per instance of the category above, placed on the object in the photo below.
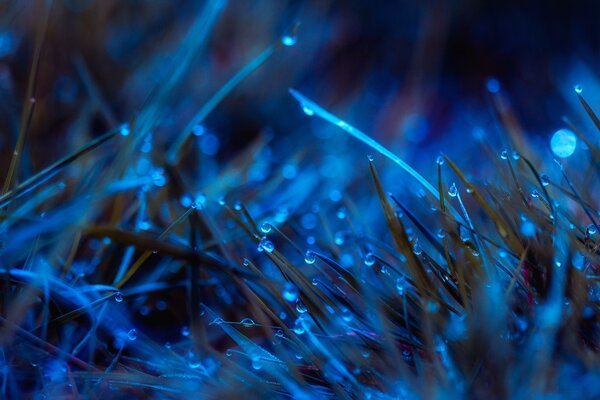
pixel 309 257
pixel 266 245
pixel 247 322
pixel 453 191
pixel 290 292
pixel 132 334
pixel 266 227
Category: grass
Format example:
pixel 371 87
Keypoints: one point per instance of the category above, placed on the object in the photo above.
pixel 128 274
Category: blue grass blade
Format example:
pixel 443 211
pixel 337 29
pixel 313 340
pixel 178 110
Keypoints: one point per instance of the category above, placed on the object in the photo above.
pixel 214 101
pixel 363 137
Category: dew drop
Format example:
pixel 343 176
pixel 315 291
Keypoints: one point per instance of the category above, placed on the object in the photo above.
pixel 591 229
pixel 417 249
pixel 247 322
pixel 369 259
pixel 118 297
pixel 217 321
pixel 185 331
pixel 299 327
pixel 544 179
pixel 341 213
pixel 347 315
pixel 300 307
pixel 504 155
pixel 266 245
pixel 370 157
pixel 132 334
pixel 124 131
pixel 339 238
pixel 288 40
pixel 439 160
pixel 307 110
pixel 516 155
pixel 401 285
pixel 578 89
pixel 441 233
pixel 265 227
pixel 453 191
pixel 290 292
pixel 309 257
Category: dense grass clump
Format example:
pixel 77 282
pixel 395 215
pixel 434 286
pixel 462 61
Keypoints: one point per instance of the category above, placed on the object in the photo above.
pixel 142 262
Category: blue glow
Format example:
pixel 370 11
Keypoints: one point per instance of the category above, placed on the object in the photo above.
pixel 493 85
pixel 563 143
pixel 528 229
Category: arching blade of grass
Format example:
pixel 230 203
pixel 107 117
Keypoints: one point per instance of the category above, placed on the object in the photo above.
pixel 312 107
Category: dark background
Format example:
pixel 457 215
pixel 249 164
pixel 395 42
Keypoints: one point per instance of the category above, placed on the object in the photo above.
pixel 394 67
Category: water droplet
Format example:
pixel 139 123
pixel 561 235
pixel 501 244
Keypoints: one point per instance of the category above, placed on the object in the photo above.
pixel 339 238
pixel 563 143
pixel 578 89
pixel 185 331
pixel 279 333
pixel 439 160
pixel 237 206
pixel 417 249
pixel 124 131
pixel 266 245
pixel 290 292
pixel 299 327
pixel 307 110
pixel 309 257
pixel 591 229
pixel 504 155
pixel 545 180
pixel 247 322
pixel 341 213
pixel 217 321
pixel 193 360
pixel 516 155
pixel 315 281
pixel 118 297
pixel 370 157
pixel 288 40
pixel 347 315
pixel 401 285
pixel 441 233
pixel 266 227
pixel 300 307
pixel 132 334
pixel 369 259
pixel 453 191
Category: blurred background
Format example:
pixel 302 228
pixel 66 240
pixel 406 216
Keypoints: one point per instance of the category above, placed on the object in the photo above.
pixel 410 73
